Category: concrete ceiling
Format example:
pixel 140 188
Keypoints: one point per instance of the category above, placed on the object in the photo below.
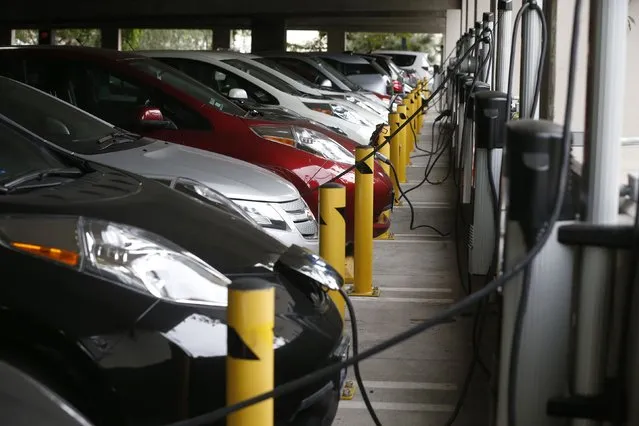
pixel 354 15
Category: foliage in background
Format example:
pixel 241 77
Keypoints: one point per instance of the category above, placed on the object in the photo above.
pixel 319 44
pixel 428 43
pixel 132 38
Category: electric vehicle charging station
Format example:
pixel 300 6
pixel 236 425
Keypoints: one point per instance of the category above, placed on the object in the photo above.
pixel 467 143
pixel 491 114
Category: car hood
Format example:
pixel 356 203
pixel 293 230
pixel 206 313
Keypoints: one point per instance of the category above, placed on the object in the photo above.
pixel 222 240
pixel 235 179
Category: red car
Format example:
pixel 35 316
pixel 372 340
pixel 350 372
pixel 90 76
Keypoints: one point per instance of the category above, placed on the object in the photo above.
pixel 153 99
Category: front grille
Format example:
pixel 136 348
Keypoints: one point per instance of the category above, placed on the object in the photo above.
pixel 301 215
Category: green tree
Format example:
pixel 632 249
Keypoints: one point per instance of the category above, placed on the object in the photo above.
pixel 365 42
pixel 318 44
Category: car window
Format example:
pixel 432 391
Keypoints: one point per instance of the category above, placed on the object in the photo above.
pixel 186 84
pixel 349 69
pixel 403 60
pixel 20 153
pixel 264 76
pixel 221 80
pixel 336 73
pixel 307 71
pixel 54 120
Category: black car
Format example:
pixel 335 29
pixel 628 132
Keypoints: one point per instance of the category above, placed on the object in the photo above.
pixel 114 292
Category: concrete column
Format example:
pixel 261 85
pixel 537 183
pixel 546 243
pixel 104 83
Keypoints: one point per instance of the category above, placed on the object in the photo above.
pixel 463 21
pixel 453 26
pixel 631 103
pixel 336 41
pixel 471 14
pixel 268 35
pixel 46 36
pixel 481 7
pixel 110 38
pixel 7 36
pixel 221 37
pixel 563 35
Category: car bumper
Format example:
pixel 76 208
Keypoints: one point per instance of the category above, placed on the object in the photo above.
pixel 289 238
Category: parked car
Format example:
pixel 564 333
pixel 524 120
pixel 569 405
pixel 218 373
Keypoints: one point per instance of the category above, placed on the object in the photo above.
pixel 317 73
pixel 359 70
pixel 153 99
pixel 415 62
pixel 361 106
pixel 256 193
pixel 400 80
pixel 238 80
pixel 24 401
pixel 115 292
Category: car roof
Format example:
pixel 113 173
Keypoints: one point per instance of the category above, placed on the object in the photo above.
pixel 82 50
pixel 220 55
pixel 399 52
pixel 342 57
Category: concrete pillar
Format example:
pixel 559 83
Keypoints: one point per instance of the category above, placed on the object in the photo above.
pixel 463 22
pixel 453 26
pixel 336 41
pixel 268 35
pixel 563 35
pixel 7 36
pixel 110 38
pixel 46 36
pixel 481 7
pixel 221 37
pixel 470 10
pixel 631 103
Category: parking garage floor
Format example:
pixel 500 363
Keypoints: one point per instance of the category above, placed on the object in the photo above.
pixel 419 381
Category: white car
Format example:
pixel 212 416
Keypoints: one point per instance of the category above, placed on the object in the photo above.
pixel 225 73
pixel 413 61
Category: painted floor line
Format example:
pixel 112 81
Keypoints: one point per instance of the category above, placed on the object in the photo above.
pixel 397 406
pixel 426 301
pixel 371 384
pixel 418 289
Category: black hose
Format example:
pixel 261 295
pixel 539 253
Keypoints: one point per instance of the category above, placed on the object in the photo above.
pixel 358 376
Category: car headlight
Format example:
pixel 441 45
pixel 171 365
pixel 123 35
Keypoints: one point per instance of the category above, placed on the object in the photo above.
pixel 306 139
pixel 339 111
pixel 123 254
pixel 264 214
pixel 209 196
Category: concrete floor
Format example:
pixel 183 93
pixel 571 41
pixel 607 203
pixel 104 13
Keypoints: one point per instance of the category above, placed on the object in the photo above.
pixel 418 382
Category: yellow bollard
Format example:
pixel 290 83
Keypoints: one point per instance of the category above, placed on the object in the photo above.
pixel 404 137
pixel 332 233
pixel 420 102
pixel 397 151
pixel 385 150
pixel 250 358
pixel 363 285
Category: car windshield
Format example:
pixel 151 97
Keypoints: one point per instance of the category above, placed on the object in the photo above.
pixel 58 121
pixel 186 84
pixel 403 60
pixel 264 76
pixel 338 75
pixel 21 153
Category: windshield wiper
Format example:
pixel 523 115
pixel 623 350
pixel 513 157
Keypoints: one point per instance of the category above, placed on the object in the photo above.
pixel 117 137
pixel 39 175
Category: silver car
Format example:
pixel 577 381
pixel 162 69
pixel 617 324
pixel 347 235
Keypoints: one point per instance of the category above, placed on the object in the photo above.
pixel 358 70
pixel 261 195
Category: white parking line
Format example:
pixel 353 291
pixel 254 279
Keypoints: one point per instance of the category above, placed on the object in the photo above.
pixel 418 289
pixel 410 385
pixel 403 300
pixel 397 406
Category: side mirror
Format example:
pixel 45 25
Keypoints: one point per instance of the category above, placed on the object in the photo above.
pixel 152 118
pixel 326 83
pixel 236 93
pixel 426 68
